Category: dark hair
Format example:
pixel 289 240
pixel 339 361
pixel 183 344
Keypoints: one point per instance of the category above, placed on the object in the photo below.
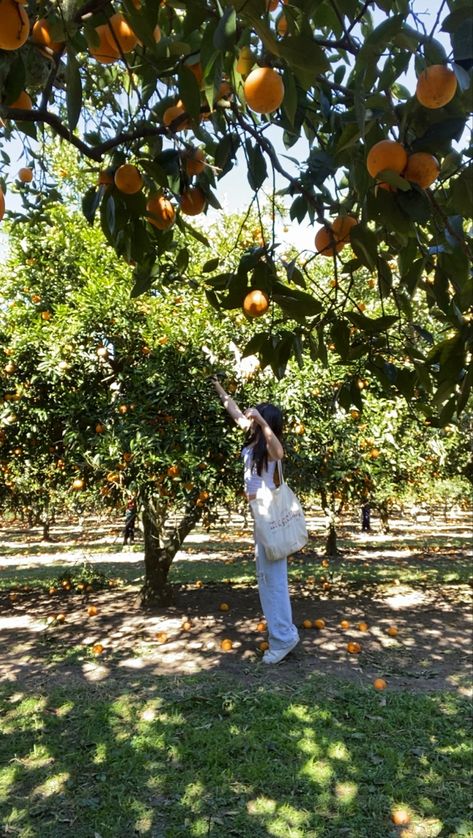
pixel 273 416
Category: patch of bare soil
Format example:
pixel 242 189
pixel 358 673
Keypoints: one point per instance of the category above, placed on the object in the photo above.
pixel 431 651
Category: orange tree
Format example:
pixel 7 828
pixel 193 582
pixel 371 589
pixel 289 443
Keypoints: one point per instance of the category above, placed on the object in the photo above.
pixel 103 396
pixel 161 100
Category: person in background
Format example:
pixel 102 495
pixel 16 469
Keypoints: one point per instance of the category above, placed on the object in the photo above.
pixel 261 452
pixel 130 521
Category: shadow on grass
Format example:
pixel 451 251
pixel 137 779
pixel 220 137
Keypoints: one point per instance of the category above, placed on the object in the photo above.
pixel 207 756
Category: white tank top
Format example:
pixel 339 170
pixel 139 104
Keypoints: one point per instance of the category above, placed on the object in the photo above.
pixel 253 481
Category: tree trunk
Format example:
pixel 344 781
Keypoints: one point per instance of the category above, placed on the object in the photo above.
pixel 331 548
pixel 159 551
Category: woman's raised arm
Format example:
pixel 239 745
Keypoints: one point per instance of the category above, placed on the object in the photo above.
pixel 231 406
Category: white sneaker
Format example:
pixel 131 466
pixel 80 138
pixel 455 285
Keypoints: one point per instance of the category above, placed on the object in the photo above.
pixel 277 655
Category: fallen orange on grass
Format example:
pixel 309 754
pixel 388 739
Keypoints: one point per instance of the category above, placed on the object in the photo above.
pixel 392 631
pixel 263 646
pixel 379 684
pixel 400 817
pixel 362 626
pixel 319 623
pixel 161 637
pixel 353 648
pixel 344 624
pixel 307 624
pixel 97 649
pixel 262 626
pixel 92 610
pixel 226 644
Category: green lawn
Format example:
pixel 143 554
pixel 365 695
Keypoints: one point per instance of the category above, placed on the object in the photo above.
pixel 204 755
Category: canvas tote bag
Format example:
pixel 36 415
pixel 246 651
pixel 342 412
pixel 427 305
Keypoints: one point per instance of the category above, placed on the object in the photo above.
pixel 279 520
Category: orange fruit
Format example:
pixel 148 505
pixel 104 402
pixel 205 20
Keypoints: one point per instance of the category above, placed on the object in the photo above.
pixel 319 623
pixel 25 175
pixel 161 637
pixel 157 33
pixel 353 648
pixel 282 25
pixel 99 428
pixel 186 626
pixel 379 684
pixel 341 227
pixel 264 90
pixel 78 484
pixel 256 303
pixel 41 36
pixel 422 168
pixel 392 631
pixel 192 201
pixel 326 243
pixel 307 624
pixel 173 471
pixel 128 179
pixel 387 154
pixel 15 25
pixel 23 101
pixel 226 644
pixel 120 34
pixel 261 626
pixel 97 649
pixel 436 86
pixel 362 626
pixel 194 161
pixel 400 817
pixel 344 624
pixel 175 112
pixel 92 610
pixel 263 646
pixel 163 212
pixel 60 618
pixel 224 606
pixel 105 52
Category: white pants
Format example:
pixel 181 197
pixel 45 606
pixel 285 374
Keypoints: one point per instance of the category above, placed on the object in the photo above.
pixel 274 597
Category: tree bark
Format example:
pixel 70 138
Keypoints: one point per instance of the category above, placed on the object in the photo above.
pixel 159 551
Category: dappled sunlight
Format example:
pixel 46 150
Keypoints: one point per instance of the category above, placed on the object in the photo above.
pixel 54 784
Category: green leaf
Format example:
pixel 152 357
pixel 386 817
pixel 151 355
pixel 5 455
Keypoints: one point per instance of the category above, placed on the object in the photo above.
pixel 211 265
pixel 365 245
pixel 290 95
pixel 182 259
pixel 225 33
pixel 340 333
pixel 416 205
pixel 257 169
pixel 303 52
pixel 189 92
pixel 371 325
pixel 73 90
pixel 143 281
pixel 298 209
pixel 461 193
pixel 91 203
pixel 294 302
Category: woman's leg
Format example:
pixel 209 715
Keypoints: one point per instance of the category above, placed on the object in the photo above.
pixel 274 597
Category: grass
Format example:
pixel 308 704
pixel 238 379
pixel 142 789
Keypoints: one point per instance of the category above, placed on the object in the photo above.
pixel 205 756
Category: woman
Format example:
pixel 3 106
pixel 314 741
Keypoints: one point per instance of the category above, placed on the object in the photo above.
pixel 263 450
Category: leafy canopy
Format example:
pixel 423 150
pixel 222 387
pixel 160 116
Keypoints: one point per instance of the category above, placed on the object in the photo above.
pixel 105 75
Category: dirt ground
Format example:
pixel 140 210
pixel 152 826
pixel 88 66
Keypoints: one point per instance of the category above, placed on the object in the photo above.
pixel 431 651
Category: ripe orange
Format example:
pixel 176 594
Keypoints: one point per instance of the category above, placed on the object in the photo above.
pixel 161 637
pixel 264 90
pixel 344 624
pixel 99 428
pixel 422 168
pixel 436 86
pixel 341 227
pixel 353 648
pixel 326 243
pixel 97 649
pixel 387 154
pixel 226 644
pixel 41 36
pixel 92 610
pixel 163 212
pixel 263 646
pixel 194 161
pixel 379 684
pixel 362 626
pixel 23 101
pixel 78 484
pixel 186 625
pixel 128 179
pixel 15 26
pixel 319 623
pixel 307 624
pixel 192 201
pixel 400 817
pixel 25 175
pixel 256 303
pixel 392 631
pixel 261 626
pixel 175 112
pixel 60 618
pixel 120 34
pixel 105 52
